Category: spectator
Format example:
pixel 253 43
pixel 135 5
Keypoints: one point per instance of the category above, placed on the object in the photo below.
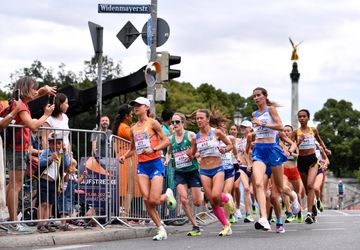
pixel 122 122
pixel 18 148
pixel 6 119
pixel 166 116
pixel 59 120
pixel 66 200
pixel 53 161
pixel 169 180
pixel 128 181
pixel 99 140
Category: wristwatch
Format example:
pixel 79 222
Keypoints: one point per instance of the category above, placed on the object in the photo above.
pixel 154 149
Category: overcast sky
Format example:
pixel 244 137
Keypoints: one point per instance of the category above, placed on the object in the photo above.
pixel 235 45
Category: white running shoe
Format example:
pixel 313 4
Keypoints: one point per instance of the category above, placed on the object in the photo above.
pixel 263 224
pixel 170 201
pixel 238 214
pixel 161 235
pixel 295 206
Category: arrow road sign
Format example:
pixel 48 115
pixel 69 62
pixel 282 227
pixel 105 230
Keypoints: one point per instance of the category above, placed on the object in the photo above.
pixel 128 34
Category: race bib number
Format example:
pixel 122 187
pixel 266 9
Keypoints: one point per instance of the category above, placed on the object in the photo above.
pixel 142 141
pixel 205 147
pixel 182 159
pixel 308 142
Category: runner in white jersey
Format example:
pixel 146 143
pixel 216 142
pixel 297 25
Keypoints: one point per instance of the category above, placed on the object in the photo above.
pixel 211 169
pixel 268 154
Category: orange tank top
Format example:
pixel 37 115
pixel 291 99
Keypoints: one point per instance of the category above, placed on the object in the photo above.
pixel 145 138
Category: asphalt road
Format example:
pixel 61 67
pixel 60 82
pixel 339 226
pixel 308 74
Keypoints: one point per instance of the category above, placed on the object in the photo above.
pixel 334 230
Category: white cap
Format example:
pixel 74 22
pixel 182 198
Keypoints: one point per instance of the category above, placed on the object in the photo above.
pixel 246 124
pixel 57 135
pixel 141 100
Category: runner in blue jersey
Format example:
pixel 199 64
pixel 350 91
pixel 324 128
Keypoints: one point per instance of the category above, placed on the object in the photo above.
pixel 268 154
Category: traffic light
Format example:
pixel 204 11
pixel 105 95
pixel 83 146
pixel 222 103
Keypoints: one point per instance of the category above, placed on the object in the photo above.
pixel 166 60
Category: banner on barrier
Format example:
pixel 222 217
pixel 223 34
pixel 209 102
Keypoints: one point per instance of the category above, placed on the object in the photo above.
pixel 100 173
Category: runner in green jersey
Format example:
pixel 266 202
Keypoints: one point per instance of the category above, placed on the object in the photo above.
pixel 186 168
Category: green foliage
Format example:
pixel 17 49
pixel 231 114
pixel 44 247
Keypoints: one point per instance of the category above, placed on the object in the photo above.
pixel 340 129
pixel 357 174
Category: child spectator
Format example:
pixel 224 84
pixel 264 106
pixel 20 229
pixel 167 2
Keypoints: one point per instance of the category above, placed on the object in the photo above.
pixel 53 161
pixel 66 201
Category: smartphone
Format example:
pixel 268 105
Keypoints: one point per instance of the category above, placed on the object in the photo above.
pixel 51 99
pixel 17 95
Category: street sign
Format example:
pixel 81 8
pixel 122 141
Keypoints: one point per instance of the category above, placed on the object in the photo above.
pixel 128 34
pixel 149 32
pixel 124 8
pixel 163 32
pixel 96 32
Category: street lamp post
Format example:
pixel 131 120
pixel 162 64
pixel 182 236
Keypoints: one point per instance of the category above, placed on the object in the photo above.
pixel 238 117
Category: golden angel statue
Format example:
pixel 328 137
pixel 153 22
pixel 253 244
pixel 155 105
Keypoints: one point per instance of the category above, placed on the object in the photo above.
pixel 294 55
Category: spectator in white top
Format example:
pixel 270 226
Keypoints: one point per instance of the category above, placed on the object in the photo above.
pixel 59 120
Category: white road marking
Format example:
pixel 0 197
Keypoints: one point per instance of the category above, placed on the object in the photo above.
pixel 341 212
pixel 65 247
pixel 332 222
pixel 328 229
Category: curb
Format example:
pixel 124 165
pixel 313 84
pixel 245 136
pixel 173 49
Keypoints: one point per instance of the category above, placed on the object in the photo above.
pixel 81 236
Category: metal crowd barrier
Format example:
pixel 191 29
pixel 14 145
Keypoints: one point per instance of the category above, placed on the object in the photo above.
pixel 129 207
pixel 88 200
pixel 109 192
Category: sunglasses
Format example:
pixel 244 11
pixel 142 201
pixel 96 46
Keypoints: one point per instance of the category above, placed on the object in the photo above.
pixel 175 122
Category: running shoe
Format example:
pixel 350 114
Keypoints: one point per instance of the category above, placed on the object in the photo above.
pixel 289 217
pixel 161 235
pixel 295 206
pixel 170 201
pixel 254 209
pixel 314 218
pixel 238 214
pixel 19 229
pixel 314 210
pixel 195 231
pixel 280 229
pixel 309 219
pixel 226 231
pixel 271 220
pixel 230 204
pixel 299 217
pixel 321 206
pixel 42 229
pixel 232 219
pixel 249 219
pixel 263 224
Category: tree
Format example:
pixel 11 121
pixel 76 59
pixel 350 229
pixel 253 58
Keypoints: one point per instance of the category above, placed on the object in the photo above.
pixel 340 129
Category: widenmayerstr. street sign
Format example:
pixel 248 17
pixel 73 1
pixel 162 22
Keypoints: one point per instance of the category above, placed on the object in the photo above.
pixel 124 8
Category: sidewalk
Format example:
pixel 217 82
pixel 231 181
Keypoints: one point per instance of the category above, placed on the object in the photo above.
pixel 81 236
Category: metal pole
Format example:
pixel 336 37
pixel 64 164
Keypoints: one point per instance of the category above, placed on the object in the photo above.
pixel 295 76
pixel 151 90
pixel 99 90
